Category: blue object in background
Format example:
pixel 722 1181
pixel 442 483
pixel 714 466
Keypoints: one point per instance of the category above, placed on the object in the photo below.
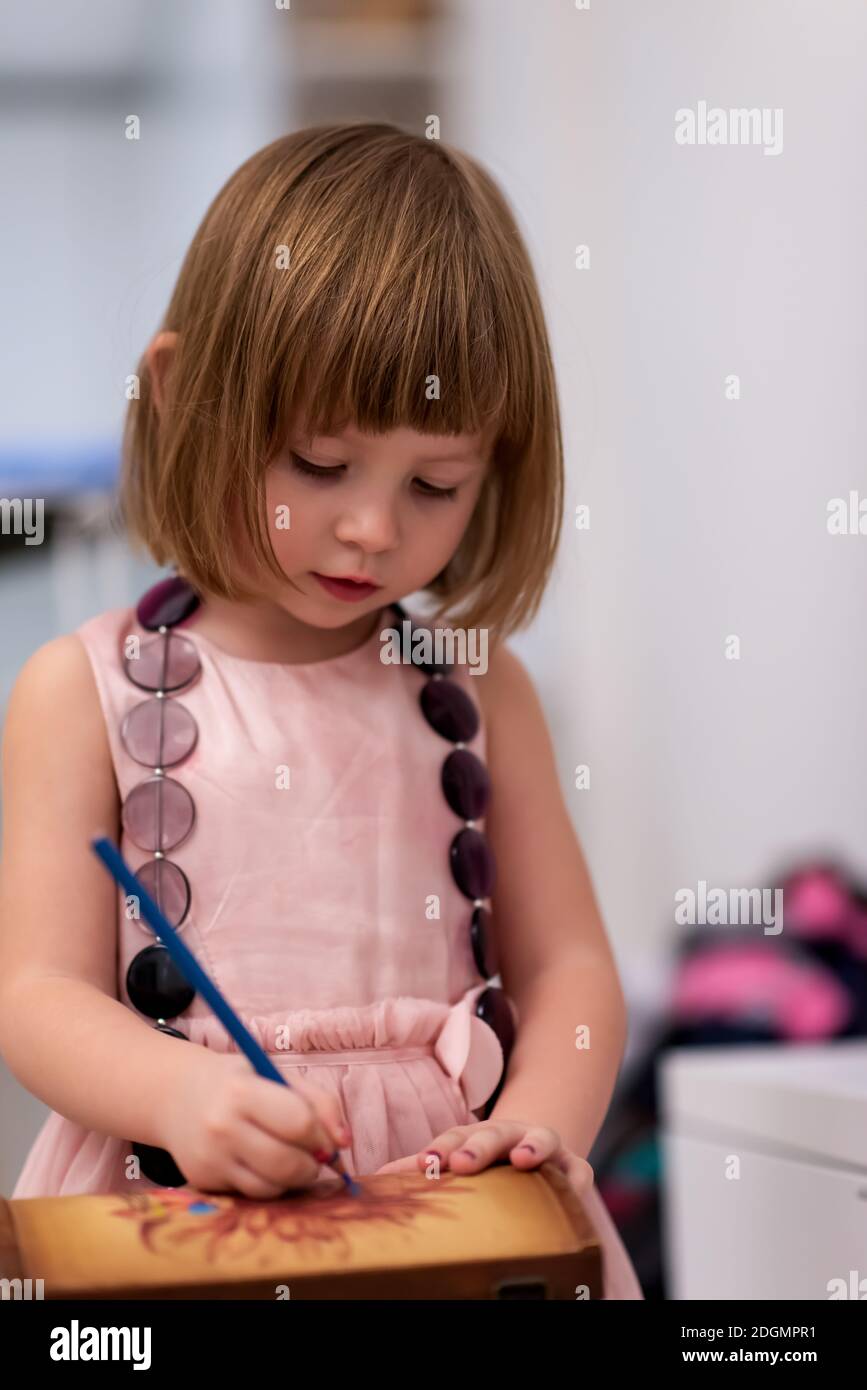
pixel 57 470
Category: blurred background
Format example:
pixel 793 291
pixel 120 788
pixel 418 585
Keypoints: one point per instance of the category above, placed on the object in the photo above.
pixel 708 515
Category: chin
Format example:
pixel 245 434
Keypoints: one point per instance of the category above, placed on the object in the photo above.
pixel 320 610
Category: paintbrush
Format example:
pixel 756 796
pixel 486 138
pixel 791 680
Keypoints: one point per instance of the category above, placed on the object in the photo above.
pixel 195 975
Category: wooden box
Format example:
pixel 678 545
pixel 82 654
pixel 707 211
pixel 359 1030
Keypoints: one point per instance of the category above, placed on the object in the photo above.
pixel 501 1233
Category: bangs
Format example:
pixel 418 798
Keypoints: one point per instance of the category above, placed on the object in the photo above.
pixel 392 315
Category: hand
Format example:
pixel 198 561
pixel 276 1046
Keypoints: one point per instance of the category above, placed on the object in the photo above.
pixel 470 1148
pixel 231 1130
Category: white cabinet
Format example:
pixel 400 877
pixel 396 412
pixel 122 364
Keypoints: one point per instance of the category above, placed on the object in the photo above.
pixel 764 1171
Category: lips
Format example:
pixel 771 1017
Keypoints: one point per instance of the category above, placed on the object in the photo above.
pixel 351 590
pixel 351 579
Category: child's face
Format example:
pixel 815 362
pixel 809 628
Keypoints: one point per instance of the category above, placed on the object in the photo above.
pixel 390 508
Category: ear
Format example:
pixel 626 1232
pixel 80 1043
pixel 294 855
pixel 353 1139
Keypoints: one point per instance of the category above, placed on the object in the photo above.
pixel 158 355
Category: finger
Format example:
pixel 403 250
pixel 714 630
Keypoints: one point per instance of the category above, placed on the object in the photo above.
pixel 327 1107
pixel 251 1183
pixel 442 1145
pixel 287 1113
pixel 534 1146
pixel 400 1165
pixel 486 1143
pixel 578 1171
pixel 386 1168
pixel 236 1176
pixel 276 1163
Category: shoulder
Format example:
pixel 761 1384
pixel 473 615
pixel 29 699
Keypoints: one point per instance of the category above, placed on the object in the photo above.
pixel 51 666
pixel 65 666
pixel 506 691
pixel 517 737
pixel 55 692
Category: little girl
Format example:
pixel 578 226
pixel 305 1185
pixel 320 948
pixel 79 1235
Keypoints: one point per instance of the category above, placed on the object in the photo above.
pixel 351 400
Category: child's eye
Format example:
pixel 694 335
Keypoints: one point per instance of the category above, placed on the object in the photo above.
pixel 428 490
pixel 312 470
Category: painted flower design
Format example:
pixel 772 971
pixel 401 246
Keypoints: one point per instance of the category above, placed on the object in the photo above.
pixel 211 1226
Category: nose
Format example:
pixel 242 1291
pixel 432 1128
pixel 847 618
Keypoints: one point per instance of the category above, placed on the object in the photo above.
pixel 371 525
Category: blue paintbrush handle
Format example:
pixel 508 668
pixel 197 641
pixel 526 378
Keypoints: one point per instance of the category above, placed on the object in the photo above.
pixel 185 960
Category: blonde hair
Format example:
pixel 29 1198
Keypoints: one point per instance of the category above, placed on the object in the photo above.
pixel 404 263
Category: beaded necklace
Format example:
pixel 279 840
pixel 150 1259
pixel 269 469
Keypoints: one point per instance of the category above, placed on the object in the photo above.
pixel 158 815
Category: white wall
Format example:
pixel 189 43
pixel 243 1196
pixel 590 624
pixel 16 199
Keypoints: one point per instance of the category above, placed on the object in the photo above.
pixel 96 224
pixel 708 516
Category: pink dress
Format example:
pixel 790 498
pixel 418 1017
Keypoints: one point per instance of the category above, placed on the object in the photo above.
pixel 311 903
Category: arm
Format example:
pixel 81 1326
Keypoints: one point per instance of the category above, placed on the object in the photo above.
pixel 63 1032
pixel 555 960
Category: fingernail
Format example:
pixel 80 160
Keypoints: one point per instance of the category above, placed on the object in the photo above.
pixel 322 1156
pixel 469 1153
pixel 526 1146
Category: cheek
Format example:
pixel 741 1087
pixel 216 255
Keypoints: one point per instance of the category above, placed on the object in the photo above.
pixel 436 533
pixel 461 517
pixel 290 518
pixel 287 525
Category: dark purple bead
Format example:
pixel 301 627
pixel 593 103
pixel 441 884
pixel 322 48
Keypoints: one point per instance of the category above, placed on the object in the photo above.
pixel 472 863
pixel 408 648
pixel 493 1008
pixel 430 668
pixel 466 784
pixel 168 603
pixel 156 986
pixel 158 1164
pixel 483 943
pixel 448 709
